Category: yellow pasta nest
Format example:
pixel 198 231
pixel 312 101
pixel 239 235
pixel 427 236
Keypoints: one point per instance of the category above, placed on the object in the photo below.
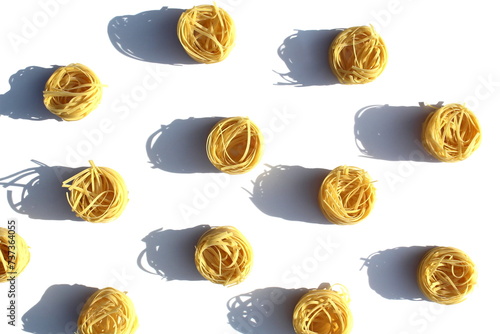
pixel 224 256
pixel 72 92
pixel 97 194
pixel 108 311
pixel 346 195
pixel 12 244
pixel 446 275
pixel 357 55
pixel 323 311
pixel 451 133
pixel 207 33
pixel 235 145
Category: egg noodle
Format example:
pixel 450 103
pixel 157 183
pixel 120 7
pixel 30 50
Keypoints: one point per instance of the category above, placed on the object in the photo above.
pixel 108 311
pixel 323 311
pixel 97 194
pixel 224 256
pixel 357 55
pixel 72 92
pixel 446 275
pixel 235 145
pixel 451 133
pixel 346 195
pixel 12 244
pixel 207 33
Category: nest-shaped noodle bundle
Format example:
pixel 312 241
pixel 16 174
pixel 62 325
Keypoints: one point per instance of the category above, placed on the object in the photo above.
pixel 446 275
pixel 97 194
pixel 72 92
pixel 12 244
pixel 323 311
pixel 108 311
pixel 235 145
pixel 451 133
pixel 223 256
pixel 357 55
pixel 207 33
pixel 346 195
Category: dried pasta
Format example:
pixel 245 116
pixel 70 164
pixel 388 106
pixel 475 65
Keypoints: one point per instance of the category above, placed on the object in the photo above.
pixel 357 55
pixel 12 244
pixel 346 195
pixel 323 311
pixel 97 194
pixel 224 256
pixel 72 92
pixel 451 133
pixel 235 145
pixel 446 275
pixel 207 33
pixel 108 311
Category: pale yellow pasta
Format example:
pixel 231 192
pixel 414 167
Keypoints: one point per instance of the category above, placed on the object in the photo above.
pixel 207 33
pixel 323 311
pixel 451 133
pixel 97 194
pixel 235 145
pixel 357 55
pixel 224 256
pixel 72 92
pixel 347 195
pixel 446 275
pixel 14 254
pixel 108 311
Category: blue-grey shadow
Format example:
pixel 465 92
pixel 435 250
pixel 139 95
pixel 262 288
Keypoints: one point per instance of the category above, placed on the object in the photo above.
pixel 305 53
pixel 392 132
pixel 290 192
pixel 180 147
pixel 58 310
pixel 170 253
pixel 38 192
pixel 392 273
pixel 149 36
pixel 24 100
pixel 264 311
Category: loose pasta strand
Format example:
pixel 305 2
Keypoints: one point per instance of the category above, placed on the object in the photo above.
pixel 12 267
pixel 72 92
pixel 97 194
pixel 207 33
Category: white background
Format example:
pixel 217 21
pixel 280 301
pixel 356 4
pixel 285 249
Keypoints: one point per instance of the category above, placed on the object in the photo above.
pixel 439 52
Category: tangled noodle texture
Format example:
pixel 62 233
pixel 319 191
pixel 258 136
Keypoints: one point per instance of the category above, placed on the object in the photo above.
pixel 346 195
pixel 446 275
pixel 224 256
pixel 357 55
pixel 17 246
pixel 451 133
pixel 235 145
pixel 97 194
pixel 323 311
pixel 72 92
pixel 108 311
pixel 207 33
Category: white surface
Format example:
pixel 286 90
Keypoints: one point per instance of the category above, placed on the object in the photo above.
pixel 439 51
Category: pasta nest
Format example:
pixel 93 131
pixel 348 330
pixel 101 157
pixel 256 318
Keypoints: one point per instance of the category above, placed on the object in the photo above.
pixel 357 55
pixel 12 243
pixel 72 92
pixel 108 311
pixel 235 145
pixel 97 194
pixel 446 275
pixel 207 33
pixel 224 256
pixel 451 133
pixel 323 311
pixel 346 195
